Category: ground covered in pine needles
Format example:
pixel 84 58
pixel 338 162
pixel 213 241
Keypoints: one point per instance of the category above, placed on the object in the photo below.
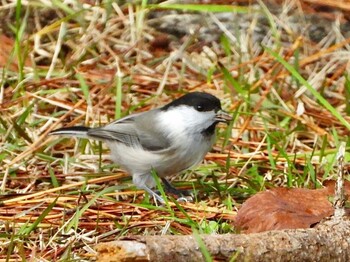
pixel 281 70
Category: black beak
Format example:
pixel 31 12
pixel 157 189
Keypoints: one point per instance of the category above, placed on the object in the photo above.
pixel 222 116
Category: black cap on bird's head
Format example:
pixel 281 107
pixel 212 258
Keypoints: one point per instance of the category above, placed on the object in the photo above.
pixel 202 102
pixel 198 100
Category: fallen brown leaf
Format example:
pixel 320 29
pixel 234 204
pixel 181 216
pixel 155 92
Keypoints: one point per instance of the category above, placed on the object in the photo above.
pixel 286 208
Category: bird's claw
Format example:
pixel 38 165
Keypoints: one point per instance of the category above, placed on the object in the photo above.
pixel 185 199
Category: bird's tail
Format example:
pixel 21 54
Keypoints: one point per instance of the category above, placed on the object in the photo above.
pixel 77 131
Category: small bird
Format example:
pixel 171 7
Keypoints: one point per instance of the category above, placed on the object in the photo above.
pixel 168 140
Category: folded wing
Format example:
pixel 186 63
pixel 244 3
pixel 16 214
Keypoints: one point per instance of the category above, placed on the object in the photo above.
pixel 135 131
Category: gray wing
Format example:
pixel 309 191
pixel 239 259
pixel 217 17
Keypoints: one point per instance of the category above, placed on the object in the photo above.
pixel 134 130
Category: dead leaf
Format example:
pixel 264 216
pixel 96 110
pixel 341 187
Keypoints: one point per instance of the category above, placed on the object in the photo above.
pixel 286 208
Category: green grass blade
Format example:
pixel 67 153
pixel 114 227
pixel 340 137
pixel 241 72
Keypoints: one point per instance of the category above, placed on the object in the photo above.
pixel 273 26
pixel 84 88
pixel 183 211
pixel 347 94
pixel 118 96
pixel 63 6
pixel 33 226
pixel 206 255
pixel 19 31
pixel 229 79
pixel 22 118
pixel 297 76
pixel 202 8
pixel 161 190
pixel 74 221
pixel 54 180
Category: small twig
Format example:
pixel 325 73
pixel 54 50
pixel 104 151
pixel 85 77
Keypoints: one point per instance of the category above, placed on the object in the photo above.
pixel 339 199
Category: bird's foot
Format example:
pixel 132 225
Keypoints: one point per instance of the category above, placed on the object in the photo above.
pixel 181 195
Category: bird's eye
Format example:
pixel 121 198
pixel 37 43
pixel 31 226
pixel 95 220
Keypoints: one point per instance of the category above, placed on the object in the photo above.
pixel 199 108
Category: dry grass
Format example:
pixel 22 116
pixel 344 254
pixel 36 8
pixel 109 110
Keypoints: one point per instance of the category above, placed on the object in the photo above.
pixel 69 65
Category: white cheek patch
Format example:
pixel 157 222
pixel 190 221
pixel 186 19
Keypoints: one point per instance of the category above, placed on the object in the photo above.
pixel 182 120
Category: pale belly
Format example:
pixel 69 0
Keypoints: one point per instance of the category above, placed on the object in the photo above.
pixel 139 162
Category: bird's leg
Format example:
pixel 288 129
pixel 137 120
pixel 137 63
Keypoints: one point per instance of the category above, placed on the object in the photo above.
pixel 153 194
pixel 169 188
pixel 141 182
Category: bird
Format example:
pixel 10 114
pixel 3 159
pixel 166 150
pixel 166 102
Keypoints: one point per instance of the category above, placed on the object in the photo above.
pixel 167 140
